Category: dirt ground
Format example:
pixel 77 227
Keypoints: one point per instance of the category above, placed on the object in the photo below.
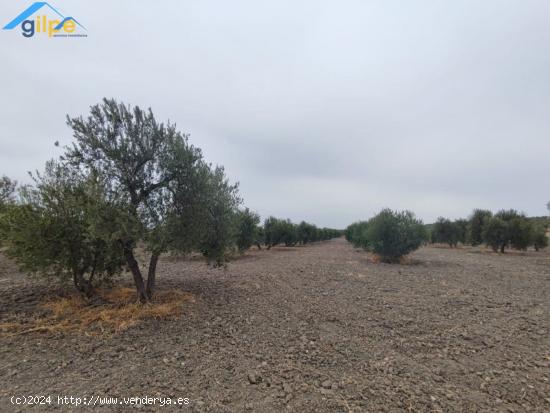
pixel 320 328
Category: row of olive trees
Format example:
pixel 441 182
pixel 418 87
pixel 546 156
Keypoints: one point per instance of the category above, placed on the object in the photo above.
pixel 283 231
pixel 389 234
pixel 278 231
pixel 505 229
pixel 127 182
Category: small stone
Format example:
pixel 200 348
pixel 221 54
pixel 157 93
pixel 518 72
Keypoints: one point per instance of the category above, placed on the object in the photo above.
pixel 327 384
pixel 254 377
pixel 287 388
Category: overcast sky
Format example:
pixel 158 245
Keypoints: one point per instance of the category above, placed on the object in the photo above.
pixel 323 110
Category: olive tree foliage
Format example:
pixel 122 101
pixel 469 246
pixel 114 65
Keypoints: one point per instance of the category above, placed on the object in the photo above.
pixel 56 229
pixel 495 234
pixel 7 191
pixel 7 195
pixel 307 233
pixel 248 229
pixel 324 234
pixel 280 231
pixel 273 233
pixel 389 234
pixel 477 221
pixel 164 196
pixel 284 231
pixel 539 237
pixel 393 234
pixel 260 238
pixel 220 202
pixel 447 232
pixel 508 228
pixel 355 234
pixel 462 229
pixel 520 233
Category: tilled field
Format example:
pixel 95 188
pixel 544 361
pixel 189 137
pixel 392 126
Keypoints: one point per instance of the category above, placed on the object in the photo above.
pixel 320 328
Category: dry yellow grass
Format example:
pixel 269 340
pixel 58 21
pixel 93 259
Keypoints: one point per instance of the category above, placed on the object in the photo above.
pixel 117 311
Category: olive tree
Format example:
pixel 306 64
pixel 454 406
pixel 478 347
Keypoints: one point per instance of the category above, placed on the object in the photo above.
pixel 354 234
pixel 539 238
pixel 272 232
pixel 7 190
pixel 219 225
pixel 508 228
pixel 477 220
pixel 289 232
pixel 446 231
pixel 495 233
pixel 392 234
pixel 462 226
pixel 307 233
pixel 55 231
pixel 164 194
pixel 520 233
pixel 248 230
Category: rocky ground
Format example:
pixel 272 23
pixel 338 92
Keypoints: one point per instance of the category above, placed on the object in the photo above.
pixel 321 328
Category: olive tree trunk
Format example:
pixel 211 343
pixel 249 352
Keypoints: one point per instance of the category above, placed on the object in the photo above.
pixel 83 285
pixel 144 291
pixel 152 272
pixel 136 273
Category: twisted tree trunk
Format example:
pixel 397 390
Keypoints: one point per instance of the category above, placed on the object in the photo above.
pixel 83 285
pixel 152 272
pixel 136 273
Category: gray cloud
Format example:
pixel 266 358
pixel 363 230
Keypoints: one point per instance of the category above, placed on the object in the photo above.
pixel 323 110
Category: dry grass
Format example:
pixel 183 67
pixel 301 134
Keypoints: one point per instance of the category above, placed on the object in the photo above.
pixel 404 260
pixel 117 311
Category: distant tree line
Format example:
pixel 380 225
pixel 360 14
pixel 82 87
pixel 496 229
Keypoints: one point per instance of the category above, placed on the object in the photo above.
pixel 283 231
pixel 277 231
pixel 393 234
pixel 502 230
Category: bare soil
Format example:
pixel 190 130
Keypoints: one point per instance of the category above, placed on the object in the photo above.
pixel 320 328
